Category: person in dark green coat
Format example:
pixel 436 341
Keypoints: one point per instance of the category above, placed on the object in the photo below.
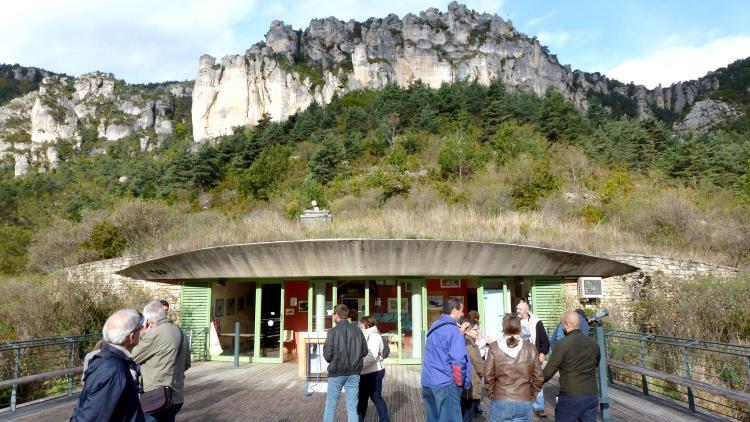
pixel 576 357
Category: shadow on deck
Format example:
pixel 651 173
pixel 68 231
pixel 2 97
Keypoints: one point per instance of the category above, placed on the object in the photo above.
pixel 216 391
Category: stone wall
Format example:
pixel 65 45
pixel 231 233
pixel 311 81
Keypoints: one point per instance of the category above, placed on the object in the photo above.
pixel 622 292
pixel 104 272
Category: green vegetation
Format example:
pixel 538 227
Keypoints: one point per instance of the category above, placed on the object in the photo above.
pixel 549 172
pixel 10 87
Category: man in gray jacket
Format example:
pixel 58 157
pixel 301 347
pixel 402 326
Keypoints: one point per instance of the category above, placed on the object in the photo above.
pixel 164 356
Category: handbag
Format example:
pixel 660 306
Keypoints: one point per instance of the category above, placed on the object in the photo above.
pixel 160 398
pixel 156 400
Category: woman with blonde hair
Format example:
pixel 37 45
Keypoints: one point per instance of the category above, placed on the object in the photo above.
pixel 512 374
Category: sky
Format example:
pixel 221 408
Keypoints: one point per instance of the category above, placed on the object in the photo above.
pixel 646 42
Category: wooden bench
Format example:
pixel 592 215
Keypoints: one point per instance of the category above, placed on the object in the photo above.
pixel 687 382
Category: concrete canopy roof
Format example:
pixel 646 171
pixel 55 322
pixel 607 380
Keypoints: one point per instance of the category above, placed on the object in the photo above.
pixel 373 258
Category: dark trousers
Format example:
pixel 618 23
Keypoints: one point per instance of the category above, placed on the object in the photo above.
pixel 167 415
pixel 469 408
pixel 576 408
pixel 371 388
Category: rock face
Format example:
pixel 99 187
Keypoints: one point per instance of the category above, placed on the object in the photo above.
pixel 31 126
pixel 704 115
pixel 292 68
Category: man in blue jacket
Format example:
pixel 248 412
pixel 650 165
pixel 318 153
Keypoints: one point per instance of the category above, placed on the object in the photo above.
pixel 446 365
pixel 110 392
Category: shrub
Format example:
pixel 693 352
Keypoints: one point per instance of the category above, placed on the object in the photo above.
pixel 328 161
pixel 527 190
pixel 106 241
pixel 13 249
pixel 266 172
pixel 459 158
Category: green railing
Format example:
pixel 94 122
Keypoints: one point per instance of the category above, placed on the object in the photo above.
pixel 703 374
pixel 35 369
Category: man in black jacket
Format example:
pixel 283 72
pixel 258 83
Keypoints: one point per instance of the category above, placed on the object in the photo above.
pixel 110 392
pixel 532 330
pixel 344 349
pixel 577 358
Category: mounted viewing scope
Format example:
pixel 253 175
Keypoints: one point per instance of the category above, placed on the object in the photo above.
pixel 597 318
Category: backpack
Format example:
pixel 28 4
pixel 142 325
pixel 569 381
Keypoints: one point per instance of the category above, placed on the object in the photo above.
pixel 386 348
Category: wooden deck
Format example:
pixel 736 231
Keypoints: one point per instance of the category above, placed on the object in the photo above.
pixel 215 391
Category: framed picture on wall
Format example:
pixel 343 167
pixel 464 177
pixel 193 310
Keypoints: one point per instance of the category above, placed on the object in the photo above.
pixel 231 306
pixel 289 311
pixel 302 306
pixel 435 302
pixel 219 308
pixel 450 284
pixel 392 305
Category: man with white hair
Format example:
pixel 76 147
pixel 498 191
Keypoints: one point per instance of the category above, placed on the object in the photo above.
pixel 532 330
pixel 110 392
pixel 164 356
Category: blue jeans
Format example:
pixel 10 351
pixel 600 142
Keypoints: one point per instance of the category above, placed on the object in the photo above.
pixel 371 388
pixel 442 404
pixel 350 383
pixel 510 411
pixel 165 415
pixel 576 408
pixel 539 401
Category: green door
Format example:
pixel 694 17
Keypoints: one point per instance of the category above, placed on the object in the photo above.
pixel 195 315
pixel 547 301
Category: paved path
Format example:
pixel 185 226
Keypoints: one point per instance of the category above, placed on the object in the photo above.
pixel 216 391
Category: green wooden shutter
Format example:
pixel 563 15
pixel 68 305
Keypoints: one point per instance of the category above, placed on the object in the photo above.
pixel 195 315
pixel 547 302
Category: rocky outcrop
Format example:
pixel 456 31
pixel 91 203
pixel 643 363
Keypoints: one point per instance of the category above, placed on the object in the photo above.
pixel 31 126
pixel 704 115
pixel 293 68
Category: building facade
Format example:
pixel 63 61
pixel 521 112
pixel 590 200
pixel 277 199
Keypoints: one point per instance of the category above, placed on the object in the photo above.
pixel 278 290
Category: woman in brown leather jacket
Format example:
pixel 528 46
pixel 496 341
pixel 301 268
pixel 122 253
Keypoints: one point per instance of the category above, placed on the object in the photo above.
pixel 512 374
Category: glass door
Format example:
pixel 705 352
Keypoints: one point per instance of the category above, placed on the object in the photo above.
pixel 493 306
pixel 269 322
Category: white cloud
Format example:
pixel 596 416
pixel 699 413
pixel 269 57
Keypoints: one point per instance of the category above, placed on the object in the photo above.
pixel 157 40
pixel 540 19
pixel 554 38
pixel 140 40
pixel 671 63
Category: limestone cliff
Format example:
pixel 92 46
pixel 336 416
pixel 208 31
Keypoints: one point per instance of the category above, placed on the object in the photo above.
pixel 31 126
pixel 292 68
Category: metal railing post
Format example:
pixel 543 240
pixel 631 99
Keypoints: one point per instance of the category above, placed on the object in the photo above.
pixel 72 365
pixel 16 374
pixel 236 344
pixel 691 398
pixel 603 380
pixel 644 380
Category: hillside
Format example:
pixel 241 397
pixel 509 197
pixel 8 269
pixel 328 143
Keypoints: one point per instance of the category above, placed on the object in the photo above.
pixel 93 167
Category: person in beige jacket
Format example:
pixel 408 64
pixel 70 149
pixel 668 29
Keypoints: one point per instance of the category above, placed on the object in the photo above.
pixel 164 355
pixel 373 371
